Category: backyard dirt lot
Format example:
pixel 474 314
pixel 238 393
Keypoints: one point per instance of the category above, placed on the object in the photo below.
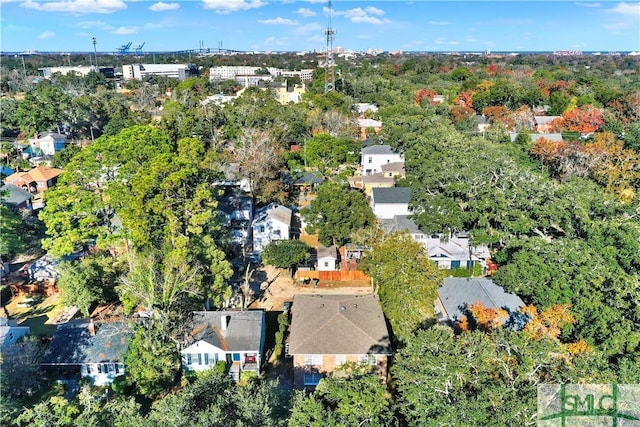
pixel 280 287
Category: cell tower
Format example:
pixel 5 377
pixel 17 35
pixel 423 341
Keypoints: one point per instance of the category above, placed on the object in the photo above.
pixel 329 72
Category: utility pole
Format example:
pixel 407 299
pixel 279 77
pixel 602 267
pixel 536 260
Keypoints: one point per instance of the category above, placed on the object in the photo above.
pixel 95 53
pixel 329 72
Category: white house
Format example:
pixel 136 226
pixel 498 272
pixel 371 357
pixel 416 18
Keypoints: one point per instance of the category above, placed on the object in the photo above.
pixel 327 258
pixel 95 350
pixel 234 337
pixel 272 222
pixel 50 144
pixel 389 202
pixel 374 156
pixel 10 332
pixel 447 252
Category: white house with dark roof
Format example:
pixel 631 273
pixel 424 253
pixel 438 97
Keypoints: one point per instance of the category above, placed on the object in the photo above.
pixel 330 330
pixel 389 202
pixel 96 350
pixel 17 197
pixel 374 156
pixel 234 337
pixel 272 222
pixel 458 292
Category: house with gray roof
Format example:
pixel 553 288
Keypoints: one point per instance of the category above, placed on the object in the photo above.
pixel 374 156
pixel 16 197
pixel 234 337
pixel 330 330
pixel 544 124
pixel 95 350
pixel 447 251
pixel 552 137
pixel 389 202
pixel 458 292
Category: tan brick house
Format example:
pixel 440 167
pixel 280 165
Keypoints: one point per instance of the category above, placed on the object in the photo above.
pixel 330 330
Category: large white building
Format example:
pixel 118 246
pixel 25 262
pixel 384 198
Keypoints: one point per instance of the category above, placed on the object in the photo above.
pixel 176 71
pixel 231 72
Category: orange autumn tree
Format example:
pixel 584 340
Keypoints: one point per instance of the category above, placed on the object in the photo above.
pixel 616 168
pixel 426 94
pixel 486 319
pixel 462 107
pixel 500 114
pixel 585 119
pixel 547 151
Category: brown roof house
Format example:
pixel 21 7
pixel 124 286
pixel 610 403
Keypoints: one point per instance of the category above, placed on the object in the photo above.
pixel 36 180
pixel 330 330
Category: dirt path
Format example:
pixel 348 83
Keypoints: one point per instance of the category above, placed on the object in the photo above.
pixel 282 288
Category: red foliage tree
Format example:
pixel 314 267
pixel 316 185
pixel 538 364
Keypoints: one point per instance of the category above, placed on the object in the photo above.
pixel 586 119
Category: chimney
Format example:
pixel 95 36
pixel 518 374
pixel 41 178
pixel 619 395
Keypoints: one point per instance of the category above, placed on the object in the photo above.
pixel 92 328
pixel 225 322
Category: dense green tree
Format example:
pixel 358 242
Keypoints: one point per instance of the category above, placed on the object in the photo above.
pixel 62 158
pixel 152 362
pixel 81 208
pixel 336 213
pixel 406 280
pixel 88 281
pixel 286 253
pixel 352 399
pixel 11 241
pixel 325 151
pixel 482 380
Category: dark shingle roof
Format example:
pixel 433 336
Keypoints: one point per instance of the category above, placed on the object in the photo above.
pixel 72 343
pixel 459 291
pixel 244 330
pixel 391 195
pixel 338 324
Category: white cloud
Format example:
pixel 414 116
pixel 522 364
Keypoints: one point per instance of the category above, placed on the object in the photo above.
pixel 77 6
pixel 47 35
pixel 363 16
pixel 306 12
pixel 587 4
pixel 439 23
pixel 162 6
pixel 125 31
pixel 95 25
pixel 627 9
pixel 308 29
pixel 228 6
pixel 278 21
pixel 374 10
pixel 626 15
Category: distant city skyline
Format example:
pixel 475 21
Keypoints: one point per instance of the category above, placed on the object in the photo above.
pixel 288 25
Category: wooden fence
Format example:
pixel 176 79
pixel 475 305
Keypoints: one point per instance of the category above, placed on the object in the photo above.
pixel 335 276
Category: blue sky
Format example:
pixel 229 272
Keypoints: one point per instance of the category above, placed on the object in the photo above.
pixel 267 25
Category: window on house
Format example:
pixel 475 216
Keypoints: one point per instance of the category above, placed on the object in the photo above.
pixel 189 359
pixel 312 379
pixel 370 159
pixel 112 368
pixel 367 359
pixel 199 358
pixel 312 359
pixel 236 357
pixel 117 368
pixel 206 358
pixel 99 368
pixel 340 359
pixel 261 229
pixel 83 370
pixel 326 263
